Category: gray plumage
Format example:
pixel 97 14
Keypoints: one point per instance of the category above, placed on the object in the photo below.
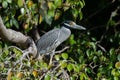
pixel 48 42
pixel 52 39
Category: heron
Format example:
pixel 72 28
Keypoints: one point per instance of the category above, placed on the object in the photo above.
pixel 48 43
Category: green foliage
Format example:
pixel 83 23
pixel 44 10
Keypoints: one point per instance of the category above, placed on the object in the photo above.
pixel 92 55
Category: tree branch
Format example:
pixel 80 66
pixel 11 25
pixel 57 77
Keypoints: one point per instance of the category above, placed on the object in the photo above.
pixel 18 38
pixel 12 36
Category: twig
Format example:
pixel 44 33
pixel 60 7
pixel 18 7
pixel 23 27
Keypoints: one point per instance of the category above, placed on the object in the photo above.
pixel 62 50
pixel 92 67
pixel 101 47
pixel 29 17
pixel 11 47
pixel 66 76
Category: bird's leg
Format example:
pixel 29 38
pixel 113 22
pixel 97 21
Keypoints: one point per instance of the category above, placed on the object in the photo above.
pixel 51 57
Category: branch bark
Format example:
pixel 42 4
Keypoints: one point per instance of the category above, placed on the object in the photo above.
pixel 18 38
pixel 12 36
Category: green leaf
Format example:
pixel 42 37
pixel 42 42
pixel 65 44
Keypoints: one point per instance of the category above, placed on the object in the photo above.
pixel 58 2
pixel 116 78
pixel 75 13
pixel 69 67
pixel 48 19
pixel 111 51
pixel 47 77
pixel 88 52
pixel 9 1
pixel 72 41
pixel 81 15
pixel 81 4
pixel 95 59
pixel 0 1
pixel 117 65
pixel 20 3
pixel 63 64
pixel 118 57
pixel 82 76
pixel 11 23
pixel 92 44
pixel 15 23
pixel 57 57
pixel 64 55
pixel 7 24
pixel 22 10
pixel 76 68
pixel 115 73
pixel 4 4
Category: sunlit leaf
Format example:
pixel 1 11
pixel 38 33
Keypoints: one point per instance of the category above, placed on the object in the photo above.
pixel 72 41
pixel 9 76
pixel 2 65
pixel 93 45
pixel 4 4
pixel 35 73
pixel 20 3
pixel 58 2
pixel 115 73
pixel 57 15
pixel 19 75
pixel 82 76
pixel 50 4
pixel 66 7
pixel 47 77
pixel 112 51
pixel 57 57
pixel 116 77
pixel 76 68
pixel 40 19
pixel 30 3
pixel 22 10
pixel 25 26
pixel 81 4
pixel 9 1
pixel 63 64
pixel 64 55
pixel 117 65
pixel 69 67
pixel 118 57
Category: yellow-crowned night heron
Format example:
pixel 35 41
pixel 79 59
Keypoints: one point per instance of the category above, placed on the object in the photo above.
pixel 52 39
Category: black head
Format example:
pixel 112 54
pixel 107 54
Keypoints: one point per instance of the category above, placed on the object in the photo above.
pixel 71 24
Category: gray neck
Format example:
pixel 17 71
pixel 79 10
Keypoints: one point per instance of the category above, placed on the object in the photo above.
pixel 65 29
pixel 65 32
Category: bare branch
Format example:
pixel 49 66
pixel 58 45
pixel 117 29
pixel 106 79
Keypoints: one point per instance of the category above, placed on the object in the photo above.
pixel 12 36
pixel 62 50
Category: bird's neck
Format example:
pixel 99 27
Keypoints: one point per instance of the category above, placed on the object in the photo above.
pixel 66 30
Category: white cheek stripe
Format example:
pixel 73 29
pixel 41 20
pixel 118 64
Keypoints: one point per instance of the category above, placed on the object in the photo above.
pixel 66 24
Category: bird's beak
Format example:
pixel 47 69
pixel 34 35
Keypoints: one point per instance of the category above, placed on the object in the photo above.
pixel 79 27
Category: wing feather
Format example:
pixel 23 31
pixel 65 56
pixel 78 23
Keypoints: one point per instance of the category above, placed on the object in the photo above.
pixel 47 41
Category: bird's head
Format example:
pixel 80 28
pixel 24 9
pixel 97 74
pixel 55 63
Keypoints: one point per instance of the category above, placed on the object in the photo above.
pixel 71 24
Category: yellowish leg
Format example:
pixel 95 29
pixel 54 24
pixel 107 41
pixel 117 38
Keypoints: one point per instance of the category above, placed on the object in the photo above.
pixel 51 57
